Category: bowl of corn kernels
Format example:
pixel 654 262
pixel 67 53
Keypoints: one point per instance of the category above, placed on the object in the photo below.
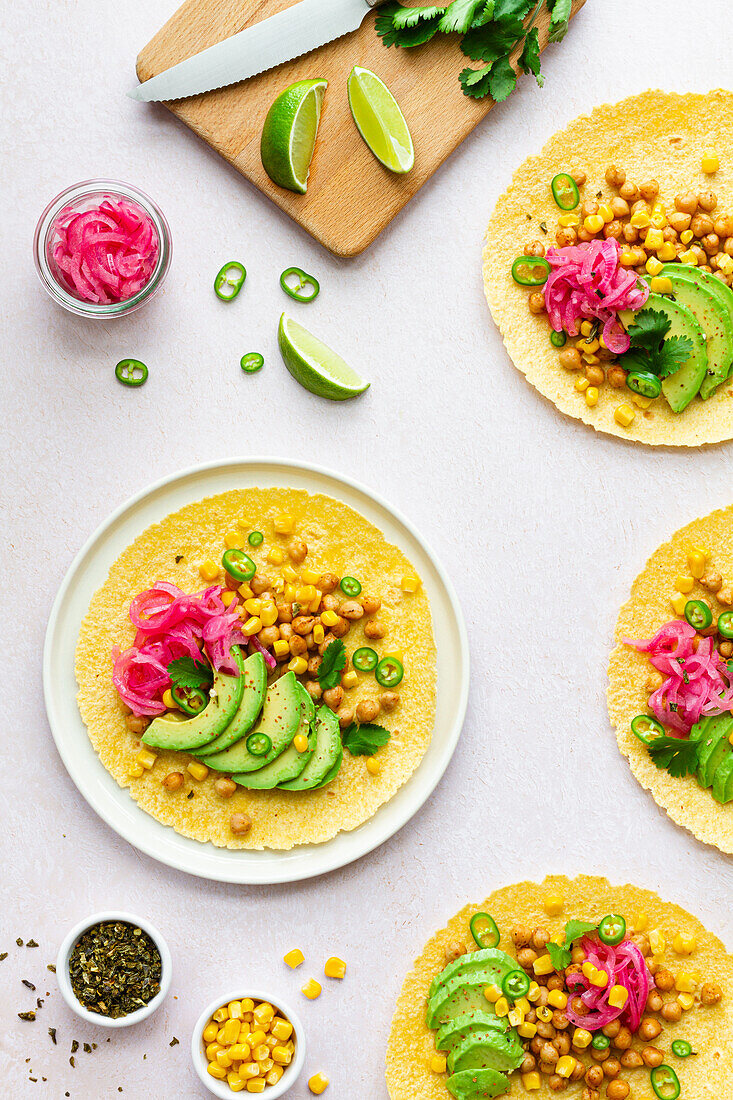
pixel 248 1042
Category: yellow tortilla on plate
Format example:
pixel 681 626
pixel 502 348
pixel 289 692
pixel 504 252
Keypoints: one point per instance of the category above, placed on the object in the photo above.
pixel 641 617
pixel 339 540
pixel 708 1076
pixel 655 135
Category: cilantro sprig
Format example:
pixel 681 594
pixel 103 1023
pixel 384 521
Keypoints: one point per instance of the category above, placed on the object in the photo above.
pixel 190 675
pixel 364 740
pixel 560 954
pixel 492 31
pixel 675 755
pixel 332 665
pixel 651 350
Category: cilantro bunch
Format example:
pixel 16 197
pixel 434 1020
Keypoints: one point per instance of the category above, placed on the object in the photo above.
pixel 650 352
pixel 675 755
pixel 492 30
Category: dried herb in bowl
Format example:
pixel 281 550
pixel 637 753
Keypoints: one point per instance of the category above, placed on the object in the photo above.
pixel 115 969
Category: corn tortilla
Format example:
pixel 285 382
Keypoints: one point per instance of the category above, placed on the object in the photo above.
pixel 646 611
pixel 655 135
pixel 709 1076
pixel 339 540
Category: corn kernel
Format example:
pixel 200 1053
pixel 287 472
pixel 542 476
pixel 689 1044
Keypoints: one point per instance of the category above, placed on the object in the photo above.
pixel 640 220
pixel 213 1048
pixel 605 212
pixel 557 998
pixel 298 665
pixel 293 959
pixel 624 415
pixel 282 1030
pixel 567 220
pixel 350 679
pixel 501 1008
pixel 666 253
pixel 688 257
pixel 281 648
pixel 678 602
pixel 582 384
pixel 274 1075
pixel 534 992
pixel 686 236
pixel 228 597
pixel 685 1000
pixel 587 347
pixel 268 613
pixel 581 1038
pixel 599 978
pixel 210 1032
pixel 492 993
pixel 231 1031
pixel 710 163
pixel 531 1081
pixel 235 1010
pixel 168 700
pixel 618 996
pixel 516 1016
pixel 318 633
pixel 311 989
pixel 263 1014
pixel 438 1063
pixel 585 328
pixel 257 1038
pixel 235 1082
pixel 591 396
pixel 215 1070
pixel 284 525
pixel 653 240
pixel 544 1014
pixel 253 626
pixel 591 359
pixel 233 540
pixel 145 758
pixel 696 562
pixel 318 1083
pixel 300 742
pixel 335 967
pixel 543 965
pixel 684 944
pixel 527 1030
pixel 256 1085
pixel 209 571
pixel 245 592
pixel 307 593
pixel 685 983
pixel 685 584
pixel 310 576
pixel 641 402
pixel 249 1070
pixel 657 942
pixel 642 921
pixel 329 618
pixel 276 556
pixel 593 223
pixel 239 1052
pixel 282 1056
pixel 373 766
pixel 653 265
pixel 199 772
pixel 524 1004
pixel 554 905
pixel 136 771
pixel 221 1014
pixel 409 584
pixel 223 1059
pixel 628 258
pixel 565 1065
pixel 659 221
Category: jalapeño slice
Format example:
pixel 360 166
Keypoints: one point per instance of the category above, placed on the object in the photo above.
pixel 646 728
pixel 239 565
pixel 698 614
pixel 558 339
pixel 365 659
pixel 612 929
pixel 565 191
pixel 252 362
pixel 256 538
pixel 530 271
pixel 515 984
pixel 601 1042
pixel 191 700
pixel 350 586
pixel 484 930
pixel 259 744
pixel 389 672
pixel 229 281
pixel 305 289
pixel 644 383
pixel 725 625
pixel 682 1048
pixel 131 372
pixel 665 1082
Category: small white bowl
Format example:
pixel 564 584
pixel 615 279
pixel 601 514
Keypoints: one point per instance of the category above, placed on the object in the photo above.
pixel 198 1047
pixel 62 970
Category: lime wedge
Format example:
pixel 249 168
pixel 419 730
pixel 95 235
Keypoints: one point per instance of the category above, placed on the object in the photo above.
pixel 380 120
pixel 289 134
pixel 315 366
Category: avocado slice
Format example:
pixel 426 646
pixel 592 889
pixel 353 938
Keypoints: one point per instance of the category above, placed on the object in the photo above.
pixel 680 388
pixel 328 743
pixel 713 747
pixel 333 772
pixel 459 996
pixel 279 721
pixel 477 1084
pixel 723 780
pixel 460 1028
pixel 291 763
pixel 253 696
pixel 491 959
pixel 192 733
pixel 716 324
pixel 487 1050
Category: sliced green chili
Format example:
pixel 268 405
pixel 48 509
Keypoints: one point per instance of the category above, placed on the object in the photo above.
pixel 515 984
pixel 601 1042
pixel 646 728
pixel 484 930
pixel 612 929
pixel 239 565
pixel 389 672
pixel 725 625
pixel 665 1082
pixel 698 614
pixel 252 362
pixel 682 1048
pixel 565 191
pixel 191 700
pixel 256 538
pixel 558 339
pixel 299 292
pixel 131 372
pixel 229 281
pixel 530 270
pixel 259 744
pixel 350 586
pixel 365 659
pixel 644 383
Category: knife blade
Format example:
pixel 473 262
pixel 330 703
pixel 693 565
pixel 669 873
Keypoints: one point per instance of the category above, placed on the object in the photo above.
pixel 288 34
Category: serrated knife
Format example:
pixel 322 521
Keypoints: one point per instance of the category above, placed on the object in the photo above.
pixel 288 34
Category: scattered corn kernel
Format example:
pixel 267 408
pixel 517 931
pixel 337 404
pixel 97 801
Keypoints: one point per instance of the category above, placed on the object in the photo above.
pixel 198 772
pixel 136 771
pixel 593 223
pixel 492 993
pixel 209 571
pixel 688 257
pixel 642 922
pixel 268 613
pixel 281 1030
pixel 543 965
pixel 373 766
pixel 534 992
pixel 685 983
pixel 653 265
pixel 350 679
pixel 310 576
pixel 581 384
pixel 566 220
pixel 628 257
pixel 245 592
pixel 684 944
pixel 640 220
pixel 591 396
pixel 659 221
pixel 685 1001
pixel 618 996
pixel 544 1014
pixel 696 562
pixel 557 998
pixel 284 525
pixel 300 742
pixel 335 967
pixel 311 989
pixel 318 633
pixel 276 556
pixel 624 415
pixel 591 359
pixel 298 665
pixel 253 626
pixel 329 618
pixel 281 648
pixel 605 212
pixel 678 602
pixel 318 1083
pixel 657 942
pixel 587 347
pixel 233 540
pixel 438 1063
pixel 145 758
pixel 228 597
pixel 581 1038
pixel 685 584
pixel 307 593
pixel 653 240
pixel 666 253
pixel 585 328
pixel 686 236
pixel 641 402
pixel 527 1030
pixel 554 905
pixel 516 1016
pixel 409 584
pixel 501 1008
pixel 710 163
pixel 531 1081
pixel 565 1065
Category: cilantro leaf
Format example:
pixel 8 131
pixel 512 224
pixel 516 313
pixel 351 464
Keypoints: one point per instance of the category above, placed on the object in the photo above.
pixel 364 740
pixel 492 41
pixel 422 31
pixel 459 16
pixel 475 82
pixel 512 9
pixel 675 755
pixel 529 60
pixel 484 16
pixel 649 328
pixel 332 665
pixel 574 929
pixel 560 19
pixel 559 956
pixel 502 80
pixel 187 673
pixel 672 354
pixel 410 17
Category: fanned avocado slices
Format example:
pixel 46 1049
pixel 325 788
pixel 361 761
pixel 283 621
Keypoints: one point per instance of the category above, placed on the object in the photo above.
pixel 250 705
pixel 334 770
pixel 460 1028
pixel 489 960
pixel 714 746
pixel 328 743
pixel 487 1050
pixel 477 1084
pixel 460 996
pixel 291 763
pixel 193 733
pixel 711 300
pixel 279 721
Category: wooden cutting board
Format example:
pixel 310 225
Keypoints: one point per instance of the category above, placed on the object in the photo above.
pixel 351 197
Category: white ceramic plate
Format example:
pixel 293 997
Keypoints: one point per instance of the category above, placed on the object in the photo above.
pixel 115 806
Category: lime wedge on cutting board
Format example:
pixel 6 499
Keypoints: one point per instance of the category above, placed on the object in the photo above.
pixel 380 120
pixel 289 134
pixel 315 366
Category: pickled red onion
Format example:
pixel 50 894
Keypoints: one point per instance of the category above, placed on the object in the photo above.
pixel 269 659
pixel 698 683
pixel 105 254
pixel 625 965
pixel 588 282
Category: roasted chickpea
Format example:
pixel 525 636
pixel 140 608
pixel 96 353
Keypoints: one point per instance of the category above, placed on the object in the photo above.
pixel 341 628
pixel 708 200
pixel 284 612
pixel 649 1029
pixel 570 359
pixel 240 824
pixel 623 1040
pixel 548 1053
pixel 536 1045
pixel 590 1094
pixel 579 176
pixel 725 649
pixel 652 1057
pixel 587 208
pixel 534 248
pixel 613 229
pixel 268 636
pixel 371 604
pixel 529 1063
pixel 561 1042
pixel 388 700
pixel 611 1030
pixel 136 723
pixel 630 233
pixel 334 697
pixel 629 191
pixel 711 243
pixel 649 190
pixel 594 1077
pixel 536 302
pixel 686 203
pixel 565 236
pixel 619 207
pixel 297 551
pixel 521 935
pixel 631 1059
pixel 374 630
pixel 557 1083
pixel 578 1007
pixel 526 957
pixel 328 582
pixel 539 939
pixel 584 235
pixel 595 375
pixel 554 981
pixel 578 956
pixel 314 689
pixel 454 951
pixel 615 177
pixel 314 663
pixel 352 610
pixel 345 716
pixel 640 207
pixel 728 247
pixel 298 645
pixel 669 234
pixel 701 225
pixel 617 1090
pixel 560 1020
pixel 600 1055
pixel 367 710
pixel 303 624
pixel 712 580
pixel 329 602
pixel 286 631
pixel 611 1067
pixel 173 781
pixel 225 788
pixel 654 1001
pixel 664 980
pixel 671 1012
pixel 326 642
pixel 260 584
pixel 642 941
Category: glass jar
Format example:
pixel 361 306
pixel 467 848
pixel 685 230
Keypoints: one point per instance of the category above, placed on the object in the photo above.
pixel 81 198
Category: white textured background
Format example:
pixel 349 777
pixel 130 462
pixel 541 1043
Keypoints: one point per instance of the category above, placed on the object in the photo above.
pixel 542 524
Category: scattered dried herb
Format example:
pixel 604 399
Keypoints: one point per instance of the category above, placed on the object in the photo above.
pixel 28 985
pixel 52 1033
pixel 173 1042
pixel 19 942
pixel 190 794
pixel 39 1002
pixel 74 1046
pixel 87 1048
pixel 3 956
pixel 27 1016
pixel 71 1062
pixel 179 558
pixel 115 969
pixel 51 967
pixel 31 943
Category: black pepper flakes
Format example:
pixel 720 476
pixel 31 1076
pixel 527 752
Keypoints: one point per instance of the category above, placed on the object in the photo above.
pixel 28 985
pixel 19 942
pixel 52 1033
pixel 51 967
pixel 3 956
pixel 30 1016
pixel 173 1042
pixel 31 943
